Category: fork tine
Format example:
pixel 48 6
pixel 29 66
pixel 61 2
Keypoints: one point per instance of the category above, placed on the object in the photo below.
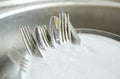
pixel 44 35
pixel 21 57
pixel 64 31
pixel 48 36
pixel 39 37
pixel 69 32
pixel 18 59
pixel 26 41
pixel 63 27
pixel 73 33
pixel 66 28
pixel 43 38
pixel 30 42
pixel 24 64
pixel 12 55
pixel 60 29
pixel 31 36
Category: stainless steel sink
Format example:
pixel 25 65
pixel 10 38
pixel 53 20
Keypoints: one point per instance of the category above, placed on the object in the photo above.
pixel 100 16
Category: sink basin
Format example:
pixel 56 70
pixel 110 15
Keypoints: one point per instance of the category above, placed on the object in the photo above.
pixel 100 16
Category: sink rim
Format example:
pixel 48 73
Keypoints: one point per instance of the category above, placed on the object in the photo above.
pixel 18 10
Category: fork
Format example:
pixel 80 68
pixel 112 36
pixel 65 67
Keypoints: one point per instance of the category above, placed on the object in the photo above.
pixel 67 31
pixel 30 42
pixel 74 36
pixel 54 29
pixel 62 31
pixel 42 37
pixel 58 29
pixel 20 60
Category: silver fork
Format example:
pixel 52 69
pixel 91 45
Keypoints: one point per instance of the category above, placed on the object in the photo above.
pixel 64 31
pixel 58 29
pixel 67 31
pixel 42 37
pixel 30 42
pixel 54 29
pixel 20 60
pixel 73 33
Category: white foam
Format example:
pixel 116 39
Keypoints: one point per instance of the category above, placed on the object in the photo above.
pixel 97 57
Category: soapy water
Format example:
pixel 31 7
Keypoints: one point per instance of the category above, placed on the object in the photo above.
pixel 97 57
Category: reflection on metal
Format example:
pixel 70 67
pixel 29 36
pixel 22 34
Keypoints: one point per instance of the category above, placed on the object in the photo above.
pixel 7 3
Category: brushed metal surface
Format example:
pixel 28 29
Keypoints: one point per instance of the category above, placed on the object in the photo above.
pixel 99 16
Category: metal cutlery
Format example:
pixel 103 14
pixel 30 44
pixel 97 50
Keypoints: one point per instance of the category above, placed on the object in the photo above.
pixel 29 41
pixel 62 31
pixel 21 61
pixel 74 36
pixel 54 29
pixel 43 38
